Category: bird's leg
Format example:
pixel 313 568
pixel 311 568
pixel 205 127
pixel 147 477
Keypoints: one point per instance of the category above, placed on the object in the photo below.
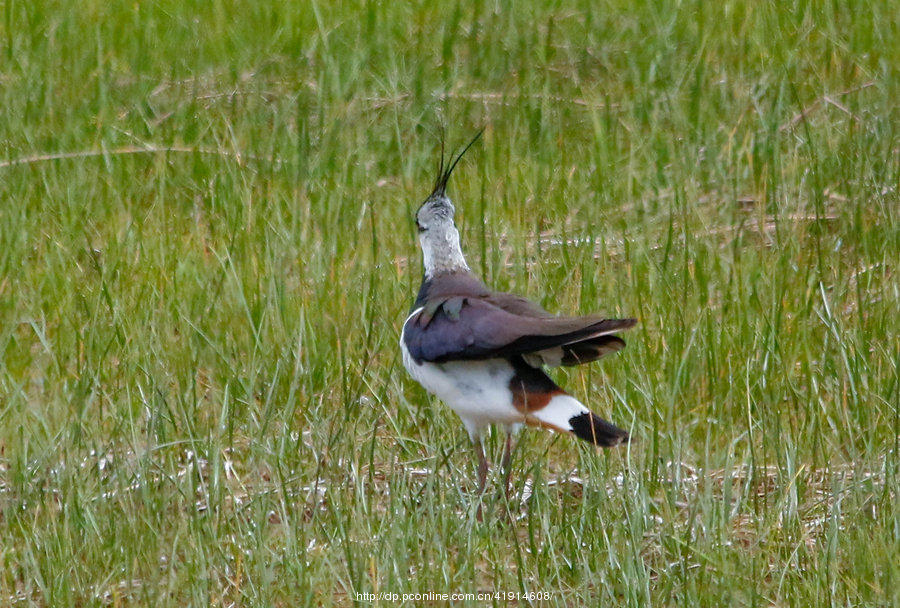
pixel 482 466
pixel 482 475
pixel 506 463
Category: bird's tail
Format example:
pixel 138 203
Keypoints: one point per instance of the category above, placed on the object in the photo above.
pixel 566 414
pixel 591 427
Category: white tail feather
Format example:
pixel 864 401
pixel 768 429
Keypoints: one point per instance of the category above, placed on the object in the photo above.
pixel 558 412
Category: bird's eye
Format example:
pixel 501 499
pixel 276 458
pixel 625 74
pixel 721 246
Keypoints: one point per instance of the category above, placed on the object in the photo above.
pixel 420 227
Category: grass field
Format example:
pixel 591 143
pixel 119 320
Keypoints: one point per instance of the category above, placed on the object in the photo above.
pixel 207 251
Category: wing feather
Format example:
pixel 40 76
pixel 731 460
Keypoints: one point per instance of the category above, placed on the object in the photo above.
pixel 500 325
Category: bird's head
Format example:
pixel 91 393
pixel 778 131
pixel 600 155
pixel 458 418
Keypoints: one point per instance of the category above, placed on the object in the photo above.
pixel 434 219
pixel 437 210
pixel 435 213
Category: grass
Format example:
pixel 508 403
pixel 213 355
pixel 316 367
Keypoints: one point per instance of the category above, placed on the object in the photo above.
pixel 208 250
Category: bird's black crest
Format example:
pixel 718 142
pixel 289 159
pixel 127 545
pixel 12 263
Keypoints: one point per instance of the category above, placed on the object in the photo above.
pixel 440 185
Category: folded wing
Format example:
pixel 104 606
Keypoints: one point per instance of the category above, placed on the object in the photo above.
pixel 501 325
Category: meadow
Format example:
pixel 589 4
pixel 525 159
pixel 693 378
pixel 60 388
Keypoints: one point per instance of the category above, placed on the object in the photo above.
pixel 207 250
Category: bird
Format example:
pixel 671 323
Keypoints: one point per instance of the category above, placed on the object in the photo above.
pixel 483 352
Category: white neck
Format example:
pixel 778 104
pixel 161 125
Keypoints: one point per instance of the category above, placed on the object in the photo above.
pixel 441 251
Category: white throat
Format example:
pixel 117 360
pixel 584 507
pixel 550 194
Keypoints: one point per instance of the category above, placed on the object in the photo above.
pixel 441 251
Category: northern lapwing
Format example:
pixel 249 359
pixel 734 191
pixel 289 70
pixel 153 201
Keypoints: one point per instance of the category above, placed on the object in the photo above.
pixel 482 352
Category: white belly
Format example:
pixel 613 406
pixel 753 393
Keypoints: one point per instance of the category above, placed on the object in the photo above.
pixel 476 390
